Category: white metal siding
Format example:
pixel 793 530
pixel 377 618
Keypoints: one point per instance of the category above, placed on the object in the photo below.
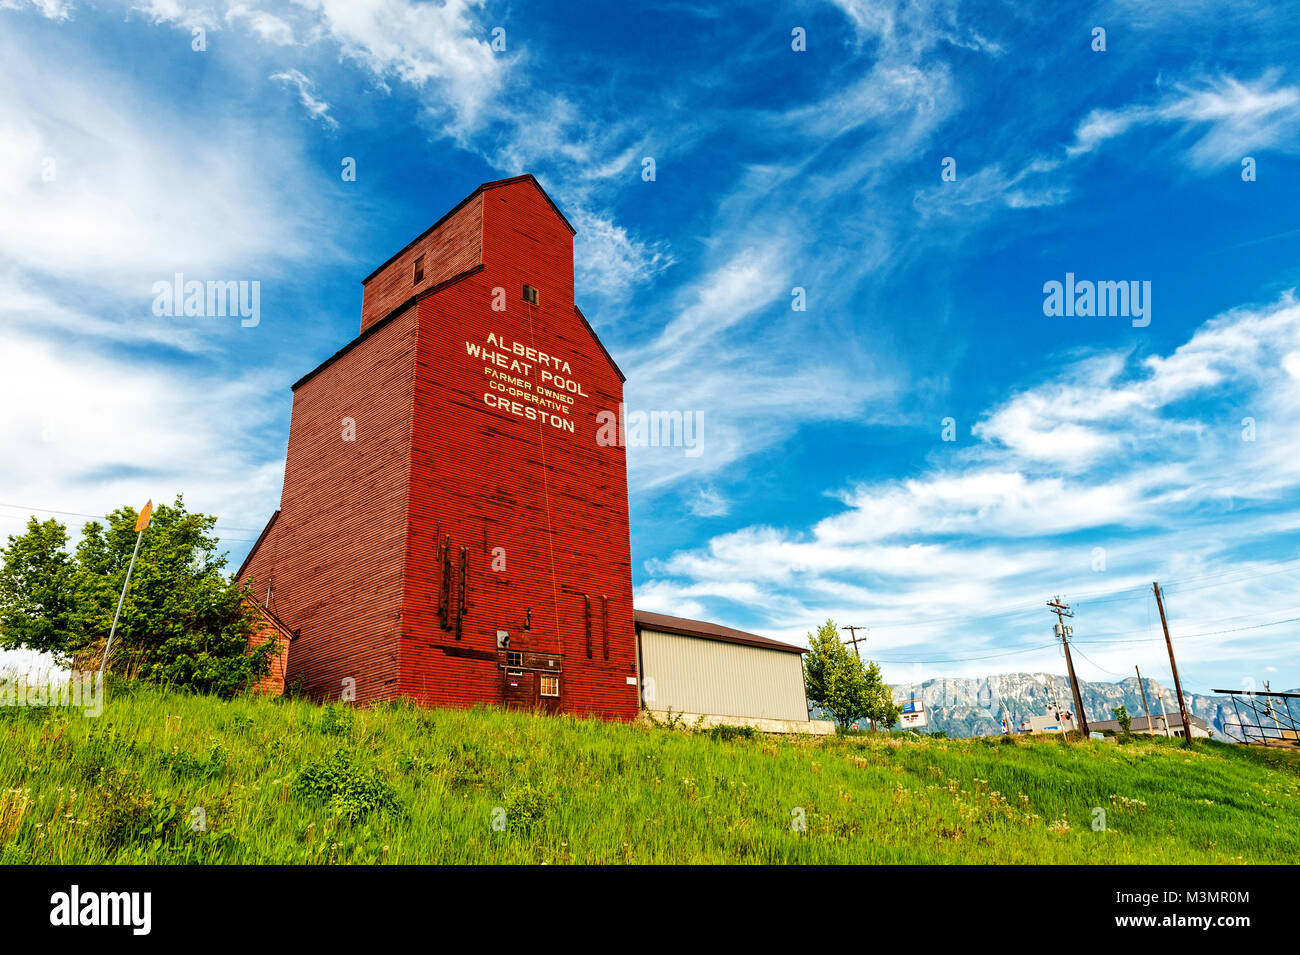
pixel 695 675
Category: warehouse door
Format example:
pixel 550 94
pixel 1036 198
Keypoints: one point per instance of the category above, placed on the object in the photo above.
pixel 520 688
pixel 548 692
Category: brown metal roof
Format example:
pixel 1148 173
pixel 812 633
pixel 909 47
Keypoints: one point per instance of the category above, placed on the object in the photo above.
pixel 1141 723
pixel 645 620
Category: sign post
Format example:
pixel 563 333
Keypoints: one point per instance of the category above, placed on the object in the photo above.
pixel 913 715
pixel 141 523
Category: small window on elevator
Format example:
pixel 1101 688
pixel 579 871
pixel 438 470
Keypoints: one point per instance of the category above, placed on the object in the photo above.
pixel 419 270
pixel 550 686
pixel 530 295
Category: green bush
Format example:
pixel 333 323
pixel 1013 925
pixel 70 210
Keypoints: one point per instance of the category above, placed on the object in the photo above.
pixel 525 807
pixel 123 810
pixel 347 789
pixel 727 732
pixel 183 763
pixel 101 752
pixel 335 720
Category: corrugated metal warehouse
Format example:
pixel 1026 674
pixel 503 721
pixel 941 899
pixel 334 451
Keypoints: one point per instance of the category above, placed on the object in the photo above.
pixel 694 668
pixel 450 529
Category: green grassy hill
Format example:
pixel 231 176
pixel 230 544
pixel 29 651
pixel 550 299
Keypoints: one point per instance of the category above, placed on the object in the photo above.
pixel 290 782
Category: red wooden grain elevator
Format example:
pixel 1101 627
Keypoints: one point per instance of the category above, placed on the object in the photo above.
pixel 450 530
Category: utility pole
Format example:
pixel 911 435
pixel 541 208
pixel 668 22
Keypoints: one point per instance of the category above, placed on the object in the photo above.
pixel 1062 611
pixel 1178 686
pixel 1056 704
pixel 1268 707
pixel 1151 729
pixel 856 639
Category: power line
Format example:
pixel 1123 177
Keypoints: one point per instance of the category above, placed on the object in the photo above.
pixel 100 517
pixel 1094 662
pixel 1240 616
pixel 1143 639
pixel 1208 633
pixel 1101 596
pixel 988 656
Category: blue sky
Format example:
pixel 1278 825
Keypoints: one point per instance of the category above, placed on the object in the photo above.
pixel 1090 456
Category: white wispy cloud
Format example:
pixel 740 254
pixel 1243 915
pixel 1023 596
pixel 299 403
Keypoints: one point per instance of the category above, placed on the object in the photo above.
pixel 439 49
pixel 97 431
pixel 1223 117
pixel 609 261
pixel 50 9
pixel 914 27
pixel 732 345
pixel 106 187
pixel 708 501
pixel 1013 514
pixel 1035 185
pixel 266 25
pixel 316 108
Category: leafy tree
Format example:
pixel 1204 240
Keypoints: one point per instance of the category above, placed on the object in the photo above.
pixel 1125 721
pixel 183 622
pixel 881 707
pixel 838 682
pixel 37 596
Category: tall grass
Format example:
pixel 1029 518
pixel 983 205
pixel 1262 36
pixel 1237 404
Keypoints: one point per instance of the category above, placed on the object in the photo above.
pixel 163 777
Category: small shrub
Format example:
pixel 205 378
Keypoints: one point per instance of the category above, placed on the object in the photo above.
pixel 345 788
pixel 335 720
pixel 671 721
pixel 101 752
pixel 242 723
pixel 525 807
pixel 184 763
pixel 124 811
pixel 727 732
pixel 13 854
pixel 297 688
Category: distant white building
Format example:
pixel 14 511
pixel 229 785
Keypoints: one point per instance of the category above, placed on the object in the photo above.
pixel 1048 724
pixel 1140 724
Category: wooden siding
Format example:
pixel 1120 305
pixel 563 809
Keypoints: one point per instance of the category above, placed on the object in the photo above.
pixel 266 629
pixel 695 675
pixel 333 558
pixel 453 247
pixel 550 503
pixel 356 556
